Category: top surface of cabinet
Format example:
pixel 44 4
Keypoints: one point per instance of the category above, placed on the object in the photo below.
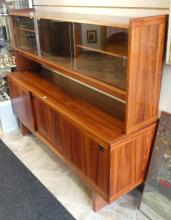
pixel 115 21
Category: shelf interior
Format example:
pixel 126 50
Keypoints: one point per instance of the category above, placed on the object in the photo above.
pixel 25 29
pixel 112 50
pixel 83 78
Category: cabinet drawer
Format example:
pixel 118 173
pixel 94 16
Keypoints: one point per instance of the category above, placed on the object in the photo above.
pixel 87 156
pixel 22 104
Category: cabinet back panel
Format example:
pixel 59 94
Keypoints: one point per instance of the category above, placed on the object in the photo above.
pixel 106 103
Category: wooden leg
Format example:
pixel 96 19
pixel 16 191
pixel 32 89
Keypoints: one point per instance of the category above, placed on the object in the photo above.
pixel 98 202
pixel 140 194
pixel 24 129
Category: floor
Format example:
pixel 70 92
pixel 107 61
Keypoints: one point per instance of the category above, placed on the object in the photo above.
pixel 64 184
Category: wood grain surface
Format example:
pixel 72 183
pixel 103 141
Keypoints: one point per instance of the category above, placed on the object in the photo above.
pixel 100 125
pixel 146 57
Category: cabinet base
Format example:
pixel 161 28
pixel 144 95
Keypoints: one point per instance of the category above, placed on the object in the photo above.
pixel 24 129
pixel 97 202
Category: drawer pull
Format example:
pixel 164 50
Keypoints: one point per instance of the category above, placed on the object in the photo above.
pixel 100 148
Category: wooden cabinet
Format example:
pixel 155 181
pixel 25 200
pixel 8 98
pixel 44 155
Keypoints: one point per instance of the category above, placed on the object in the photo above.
pixel 121 60
pixel 22 104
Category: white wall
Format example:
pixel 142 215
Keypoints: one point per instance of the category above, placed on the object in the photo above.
pixel 165 99
pixel 112 3
pixel 110 7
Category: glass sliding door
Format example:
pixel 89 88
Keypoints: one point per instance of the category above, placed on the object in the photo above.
pixel 101 53
pixel 25 35
pixel 55 41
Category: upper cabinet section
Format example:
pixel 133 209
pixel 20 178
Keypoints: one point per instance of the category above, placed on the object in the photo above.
pixel 96 51
pixel 25 36
pixel 97 55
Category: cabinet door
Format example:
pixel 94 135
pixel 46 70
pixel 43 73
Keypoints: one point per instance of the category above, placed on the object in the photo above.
pixel 22 104
pixel 48 124
pixel 87 156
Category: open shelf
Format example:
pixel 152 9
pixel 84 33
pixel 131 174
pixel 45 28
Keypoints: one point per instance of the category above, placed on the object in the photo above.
pixel 104 87
pixel 112 50
pixel 27 49
pixel 25 29
pixel 87 116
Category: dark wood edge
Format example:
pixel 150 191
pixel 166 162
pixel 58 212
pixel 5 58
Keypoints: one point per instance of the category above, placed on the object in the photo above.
pixel 18 11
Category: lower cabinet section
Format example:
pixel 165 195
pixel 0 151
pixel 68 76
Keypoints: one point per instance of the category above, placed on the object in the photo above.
pixel 110 171
pixel 81 151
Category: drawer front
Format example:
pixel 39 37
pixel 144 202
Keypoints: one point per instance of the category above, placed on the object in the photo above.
pixel 87 156
pixel 22 104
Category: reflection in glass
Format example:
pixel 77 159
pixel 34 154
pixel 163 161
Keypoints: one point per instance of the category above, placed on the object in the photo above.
pixel 101 52
pixel 24 22
pixel 26 40
pixel 55 42
pixel 25 34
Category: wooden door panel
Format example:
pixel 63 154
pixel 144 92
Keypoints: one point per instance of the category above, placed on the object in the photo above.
pixel 22 104
pixel 81 151
pixel 48 124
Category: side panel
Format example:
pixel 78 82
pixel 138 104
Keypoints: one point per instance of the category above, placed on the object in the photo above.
pixel 22 104
pixel 146 49
pixel 129 162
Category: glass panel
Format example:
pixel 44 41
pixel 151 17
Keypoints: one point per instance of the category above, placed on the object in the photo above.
pixel 19 4
pixel 25 34
pixel 55 43
pixel 101 52
pixel 24 22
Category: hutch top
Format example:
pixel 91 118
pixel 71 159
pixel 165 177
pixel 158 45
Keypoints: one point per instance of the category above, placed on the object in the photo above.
pixel 118 56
